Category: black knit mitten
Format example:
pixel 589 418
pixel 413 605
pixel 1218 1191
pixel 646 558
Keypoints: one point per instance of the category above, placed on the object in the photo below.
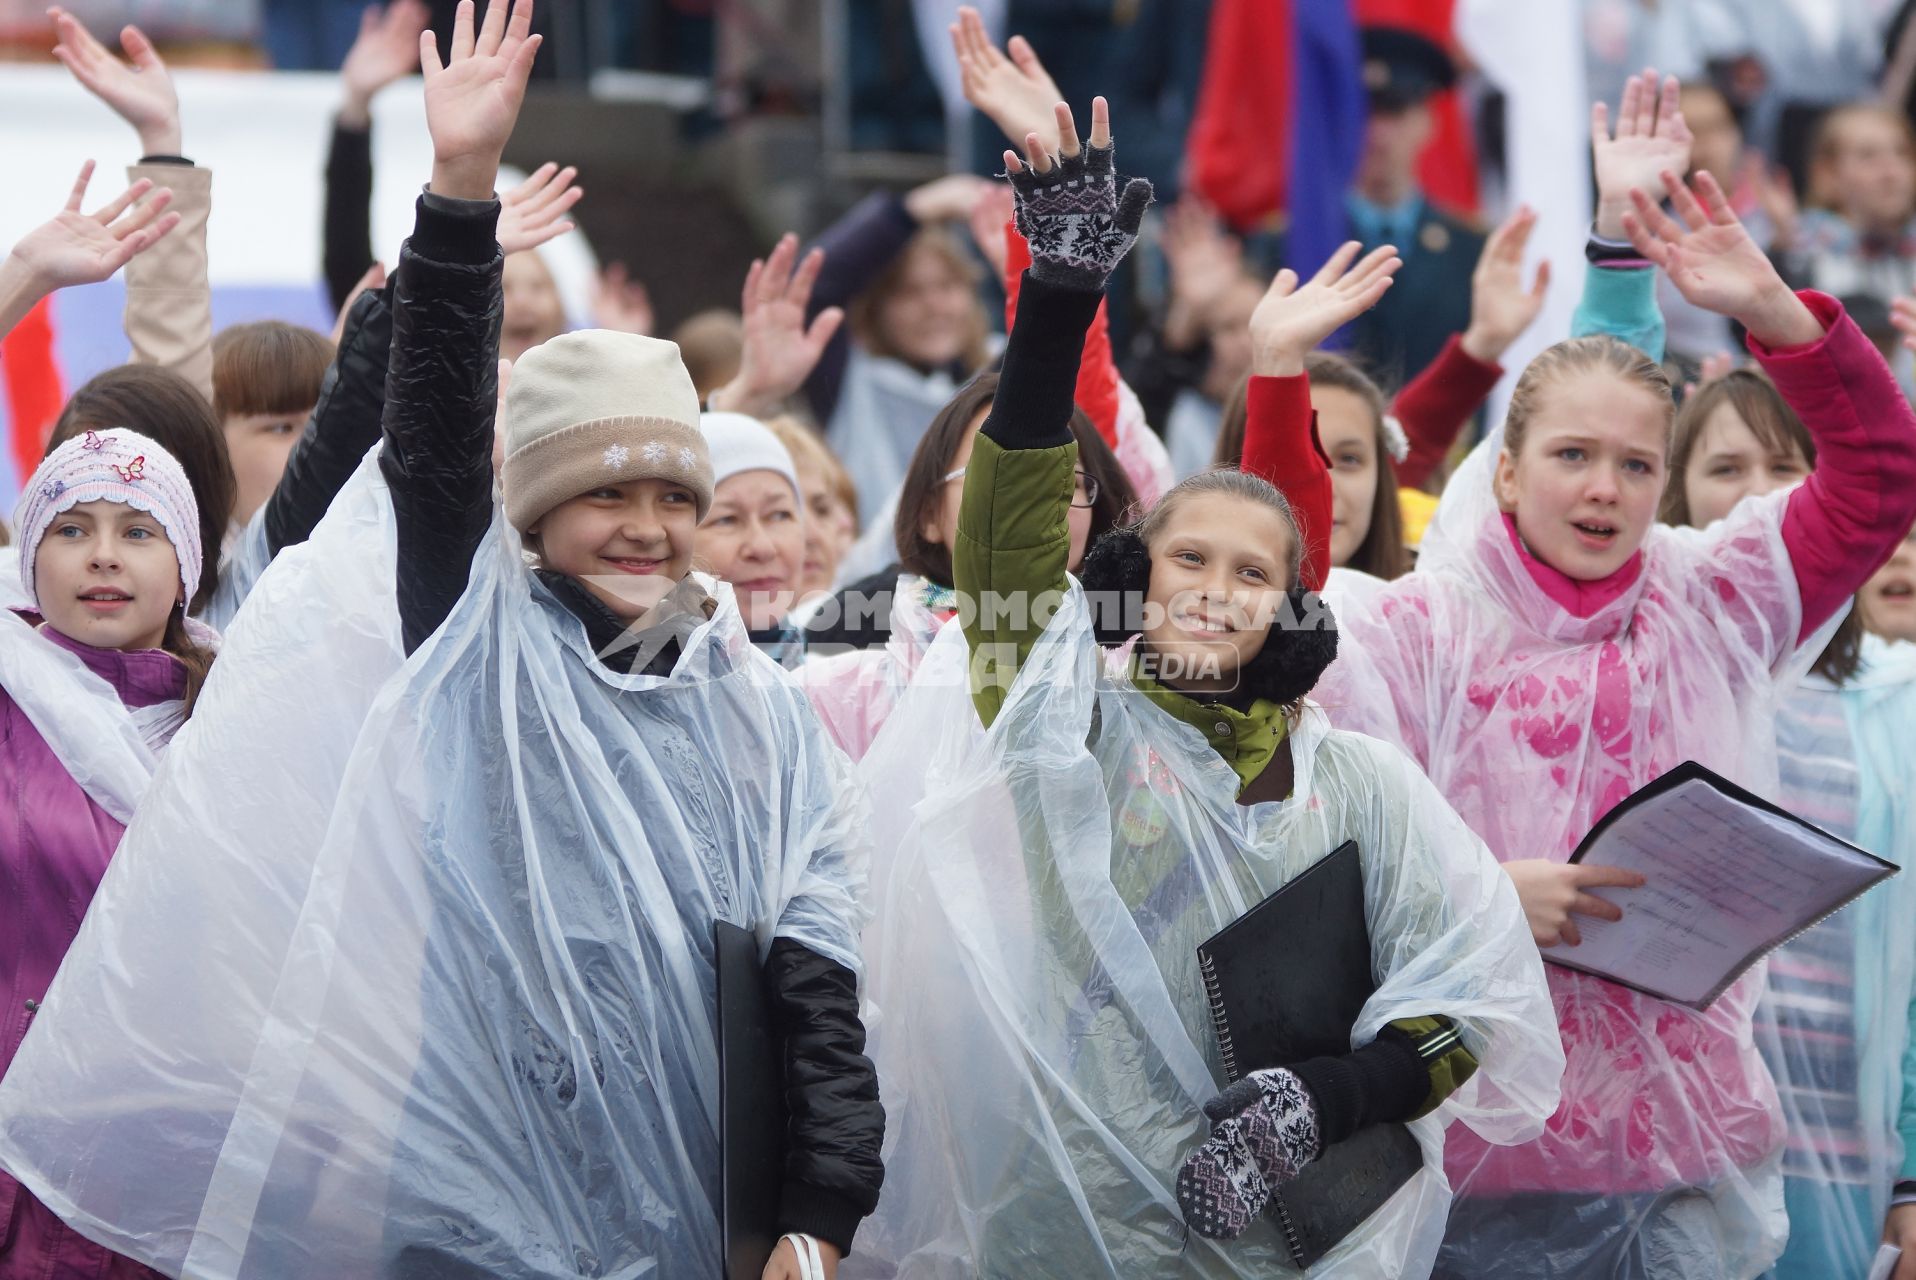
pixel 1078 225
pixel 1264 1133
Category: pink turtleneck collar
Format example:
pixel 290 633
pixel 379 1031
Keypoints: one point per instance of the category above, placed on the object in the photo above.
pixel 1577 598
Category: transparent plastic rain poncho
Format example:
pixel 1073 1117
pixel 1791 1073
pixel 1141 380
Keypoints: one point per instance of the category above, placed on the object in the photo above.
pixel 1834 1025
pixel 1042 1038
pixel 854 693
pixel 1534 723
pixel 407 964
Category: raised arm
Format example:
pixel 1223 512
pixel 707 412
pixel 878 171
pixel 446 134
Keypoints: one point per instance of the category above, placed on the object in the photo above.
pixel 1280 439
pixel 1013 537
pixel 1650 138
pixel 169 300
pixel 81 248
pixel 386 49
pixel 442 379
pixel 1435 405
pixel 1842 523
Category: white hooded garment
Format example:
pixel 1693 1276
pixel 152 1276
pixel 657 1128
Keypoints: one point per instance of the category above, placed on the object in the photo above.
pixel 1534 722
pixel 1038 1018
pixel 405 966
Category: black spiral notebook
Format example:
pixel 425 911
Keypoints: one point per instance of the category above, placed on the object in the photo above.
pixel 1286 982
pixel 752 1117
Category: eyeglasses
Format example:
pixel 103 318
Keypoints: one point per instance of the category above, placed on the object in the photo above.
pixel 1084 487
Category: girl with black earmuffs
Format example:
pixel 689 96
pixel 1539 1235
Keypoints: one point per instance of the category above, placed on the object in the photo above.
pixel 1140 784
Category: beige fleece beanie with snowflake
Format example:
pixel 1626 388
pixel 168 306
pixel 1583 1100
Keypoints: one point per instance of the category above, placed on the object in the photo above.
pixel 594 408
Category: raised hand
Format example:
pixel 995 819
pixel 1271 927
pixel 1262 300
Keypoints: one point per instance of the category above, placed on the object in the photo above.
pixel 1291 321
pixel 993 208
pixel 1016 92
pixel 141 94
pixel 80 248
pixel 1902 317
pixel 1205 260
pixel 1069 209
pixel 473 99
pixel 534 211
pixel 1651 138
pixel 780 351
pixel 1714 264
pixel 622 303
pixel 386 48
pixel 1500 307
pixel 946 199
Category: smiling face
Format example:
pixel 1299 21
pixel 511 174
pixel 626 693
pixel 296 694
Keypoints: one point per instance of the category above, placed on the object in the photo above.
pixel 1586 480
pixel 1728 463
pixel 107 576
pixel 628 544
pixel 929 313
pixel 1888 599
pixel 1350 438
pixel 1219 572
pixel 754 538
pixel 533 310
pixel 259 444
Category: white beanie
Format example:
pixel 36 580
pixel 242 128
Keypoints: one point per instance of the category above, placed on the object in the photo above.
pixel 593 408
pixel 739 443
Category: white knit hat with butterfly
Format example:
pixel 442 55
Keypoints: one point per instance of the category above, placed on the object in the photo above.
pixel 115 465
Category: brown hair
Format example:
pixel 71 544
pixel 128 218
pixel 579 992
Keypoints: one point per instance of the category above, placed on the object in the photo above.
pixel 807 446
pixel 865 308
pixel 1827 142
pixel 198 661
pixel 931 462
pixel 268 366
pixel 1382 553
pixel 1233 483
pixel 1599 352
pixel 1754 399
pixel 711 343
pixel 161 404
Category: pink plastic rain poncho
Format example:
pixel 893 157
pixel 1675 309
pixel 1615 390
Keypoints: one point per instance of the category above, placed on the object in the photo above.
pixel 1534 722
pixel 854 693
pixel 1037 1015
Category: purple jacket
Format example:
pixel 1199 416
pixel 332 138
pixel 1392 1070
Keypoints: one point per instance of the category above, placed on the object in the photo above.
pixel 55 843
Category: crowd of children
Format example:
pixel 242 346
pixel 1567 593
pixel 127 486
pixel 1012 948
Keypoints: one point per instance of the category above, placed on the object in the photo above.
pixel 388 718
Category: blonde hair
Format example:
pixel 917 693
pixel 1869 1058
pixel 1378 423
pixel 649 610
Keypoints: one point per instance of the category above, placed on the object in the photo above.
pixel 865 308
pixel 711 343
pixel 1229 482
pixel 1599 353
pixel 807 447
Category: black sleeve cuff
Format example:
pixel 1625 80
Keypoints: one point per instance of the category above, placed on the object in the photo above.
pixel 166 160
pixel 817 1211
pixel 447 229
pixel 1039 382
pixel 1384 1081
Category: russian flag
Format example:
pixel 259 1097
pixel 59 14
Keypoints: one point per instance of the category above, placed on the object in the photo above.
pixel 1279 126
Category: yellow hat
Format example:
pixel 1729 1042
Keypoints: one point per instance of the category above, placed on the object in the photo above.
pixel 1416 508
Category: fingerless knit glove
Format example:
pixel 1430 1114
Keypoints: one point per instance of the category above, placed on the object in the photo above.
pixel 1078 225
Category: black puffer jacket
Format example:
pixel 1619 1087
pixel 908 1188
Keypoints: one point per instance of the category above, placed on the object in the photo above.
pixel 441 393
pixel 344 424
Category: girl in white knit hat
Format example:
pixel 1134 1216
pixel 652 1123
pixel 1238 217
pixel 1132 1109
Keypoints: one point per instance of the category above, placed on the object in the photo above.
pixel 488 774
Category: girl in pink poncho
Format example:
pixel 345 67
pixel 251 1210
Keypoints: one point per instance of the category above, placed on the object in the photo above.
pixel 1556 650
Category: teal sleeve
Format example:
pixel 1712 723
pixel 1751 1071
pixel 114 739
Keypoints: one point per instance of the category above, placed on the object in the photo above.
pixel 1906 1114
pixel 1622 302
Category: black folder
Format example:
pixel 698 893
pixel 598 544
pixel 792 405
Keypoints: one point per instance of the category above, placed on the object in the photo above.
pixel 1286 982
pixel 752 1116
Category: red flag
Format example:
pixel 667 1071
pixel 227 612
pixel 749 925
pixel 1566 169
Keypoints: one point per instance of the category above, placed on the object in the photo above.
pixel 1240 133
pixel 34 394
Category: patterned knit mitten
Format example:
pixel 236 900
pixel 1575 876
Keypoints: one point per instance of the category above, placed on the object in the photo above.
pixel 1075 220
pixel 1264 1132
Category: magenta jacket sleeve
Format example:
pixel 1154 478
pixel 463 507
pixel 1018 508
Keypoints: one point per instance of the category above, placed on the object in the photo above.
pixel 1846 519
